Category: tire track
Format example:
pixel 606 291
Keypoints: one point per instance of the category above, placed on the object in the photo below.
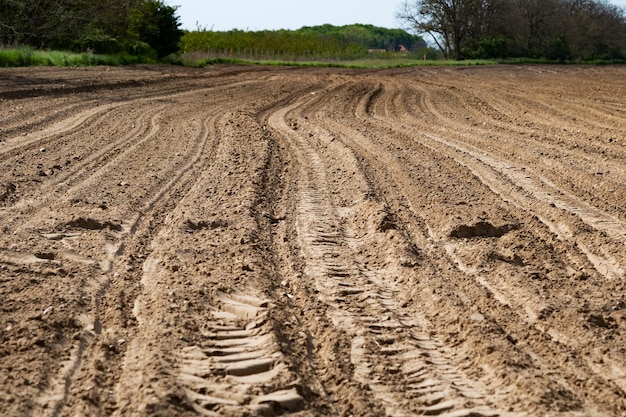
pixel 533 189
pixel 100 160
pixel 135 228
pixel 379 161
pixel 527 188
pixel 119 244
pixel 385 340
pixel 269 384
pixel 64 181
pixel 453 247
pixel 91 115
pixel 54 400
pixel 532 137
pixel 241 348
pixel 381 155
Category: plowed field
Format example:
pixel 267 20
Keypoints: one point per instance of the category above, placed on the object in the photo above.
pixel 313 242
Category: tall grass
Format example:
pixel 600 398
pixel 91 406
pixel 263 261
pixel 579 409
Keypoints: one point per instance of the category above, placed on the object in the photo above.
pixel 25 57
pixel 389 60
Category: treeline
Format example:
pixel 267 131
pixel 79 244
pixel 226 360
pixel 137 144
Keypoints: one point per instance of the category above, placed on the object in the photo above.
pixel 368 36
pixel 554 29
pixel 137 27
pixel 318 42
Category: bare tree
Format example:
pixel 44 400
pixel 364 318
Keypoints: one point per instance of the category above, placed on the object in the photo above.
pixel 541 20
pixel 448 22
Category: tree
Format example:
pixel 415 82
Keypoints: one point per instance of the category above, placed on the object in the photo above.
pixel 554 29
pixel 145 27
pixel 448 22
pixel 159 27
pixel 594 29
pixel 539 23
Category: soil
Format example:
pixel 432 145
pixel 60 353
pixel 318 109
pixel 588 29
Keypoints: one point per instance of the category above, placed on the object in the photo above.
pixel 249 241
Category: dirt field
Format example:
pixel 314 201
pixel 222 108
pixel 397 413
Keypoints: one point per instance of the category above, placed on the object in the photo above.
pixel 313 242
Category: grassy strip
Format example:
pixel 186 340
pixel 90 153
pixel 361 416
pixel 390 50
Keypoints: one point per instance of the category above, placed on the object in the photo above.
pixel 373 63
pixel 25 57
pixel 194 61
pixel 568 62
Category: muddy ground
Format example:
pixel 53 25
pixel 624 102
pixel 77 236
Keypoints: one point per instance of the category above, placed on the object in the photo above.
pixel 249 241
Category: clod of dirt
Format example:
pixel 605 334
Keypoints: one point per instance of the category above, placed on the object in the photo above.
pixel 600 321
pixel 6 190
pixel 481 229
pixel 45 255
pixel 477 317
pixel 93 224
pixel 619 306
pixel 199 225
pixel 512 337
pixel 515 259
pixel 288 400
pixel 387 223
pixel 273 219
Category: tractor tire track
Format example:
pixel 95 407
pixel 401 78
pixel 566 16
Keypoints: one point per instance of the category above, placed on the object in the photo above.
pixel 363 300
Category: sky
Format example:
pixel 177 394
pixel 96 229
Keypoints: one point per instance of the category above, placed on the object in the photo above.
pixel 222 15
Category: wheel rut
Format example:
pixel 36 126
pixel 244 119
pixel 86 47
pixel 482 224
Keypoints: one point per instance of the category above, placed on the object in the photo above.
pixel 124 239
pixel 527 190
pixel 390 346
pixel 507 295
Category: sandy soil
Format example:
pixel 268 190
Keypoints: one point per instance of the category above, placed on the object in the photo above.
pixel 313 242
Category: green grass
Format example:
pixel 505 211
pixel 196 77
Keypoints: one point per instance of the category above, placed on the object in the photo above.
pixel 196 60
pixel 23 57
pixel 26 57
pixel 373 63
pixel 401 63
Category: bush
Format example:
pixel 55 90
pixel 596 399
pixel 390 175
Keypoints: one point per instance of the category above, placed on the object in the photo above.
pixel 10 58
pixel 24 57
pixel 558 49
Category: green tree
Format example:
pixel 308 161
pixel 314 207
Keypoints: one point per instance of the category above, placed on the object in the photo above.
pixel 104 26
pixel 159 27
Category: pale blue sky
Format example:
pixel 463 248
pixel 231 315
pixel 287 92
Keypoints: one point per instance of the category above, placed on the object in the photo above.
pixel 288 14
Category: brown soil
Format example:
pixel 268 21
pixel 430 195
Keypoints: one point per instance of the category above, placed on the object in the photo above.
pixel 313 242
